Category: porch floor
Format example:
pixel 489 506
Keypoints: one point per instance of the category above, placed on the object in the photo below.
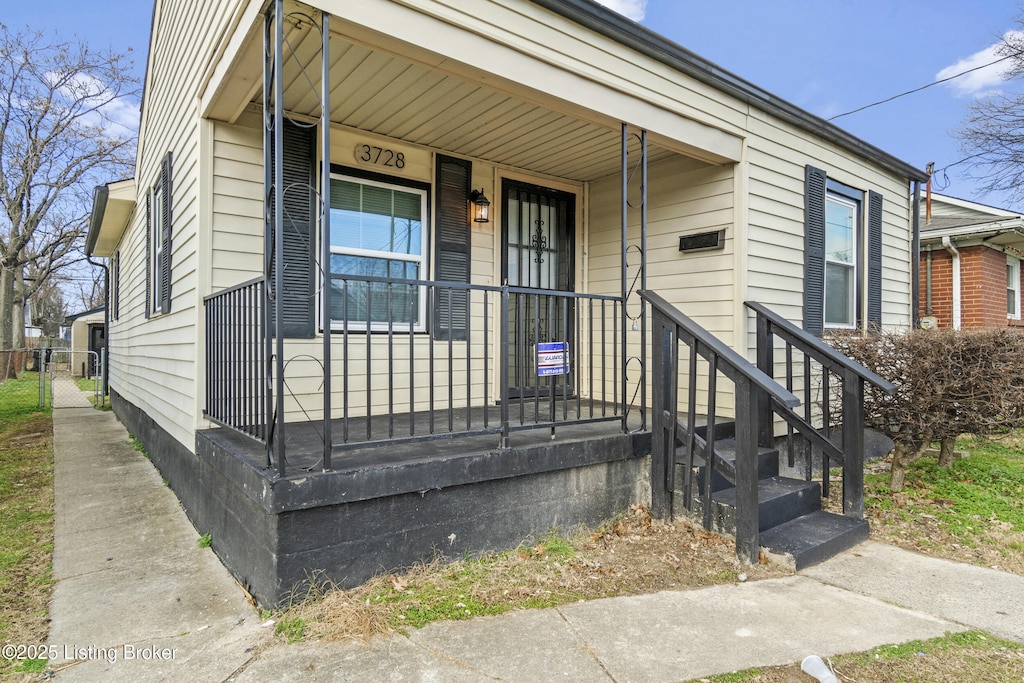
pixel 383 440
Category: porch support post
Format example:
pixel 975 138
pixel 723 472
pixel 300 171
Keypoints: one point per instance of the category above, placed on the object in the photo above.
pixel 641 279
pixel 266 393
pixel 623 266
pixel 277 150
pixel 325 224
pixel 643 283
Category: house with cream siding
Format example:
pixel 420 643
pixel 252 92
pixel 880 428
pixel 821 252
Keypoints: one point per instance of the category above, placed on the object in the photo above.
pixel 396 278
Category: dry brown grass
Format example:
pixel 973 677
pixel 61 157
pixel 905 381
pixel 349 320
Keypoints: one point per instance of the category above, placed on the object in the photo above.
pixel 631 555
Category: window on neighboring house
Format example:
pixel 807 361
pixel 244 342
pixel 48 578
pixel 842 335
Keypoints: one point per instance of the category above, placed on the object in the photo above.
pixel 842 255
pixel 378 232
pixel 158 242
pixel 1012 288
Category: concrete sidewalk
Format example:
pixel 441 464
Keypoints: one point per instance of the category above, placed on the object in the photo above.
pixel 132 583
pixel 136 598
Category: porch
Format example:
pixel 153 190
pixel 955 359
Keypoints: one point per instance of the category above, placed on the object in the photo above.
pixel 369 414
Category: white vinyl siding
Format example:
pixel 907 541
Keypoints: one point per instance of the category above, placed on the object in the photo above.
pixel 154 362
pixel 776 156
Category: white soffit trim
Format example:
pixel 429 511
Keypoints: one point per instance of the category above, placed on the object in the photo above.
pixel 461 52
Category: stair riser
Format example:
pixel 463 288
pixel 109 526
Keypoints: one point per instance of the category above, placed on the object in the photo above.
pixel 767 467
pixel 828 549
pixel 770 513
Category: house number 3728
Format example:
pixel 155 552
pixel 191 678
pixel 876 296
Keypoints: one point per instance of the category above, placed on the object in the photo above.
pixel 374 155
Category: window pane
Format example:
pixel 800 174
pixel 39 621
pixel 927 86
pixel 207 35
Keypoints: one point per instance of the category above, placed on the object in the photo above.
pixel 404 301
pixel 375 218
pixel 839 294
pixel 839 231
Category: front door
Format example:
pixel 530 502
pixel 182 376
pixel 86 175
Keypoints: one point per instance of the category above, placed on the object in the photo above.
pixel 538 230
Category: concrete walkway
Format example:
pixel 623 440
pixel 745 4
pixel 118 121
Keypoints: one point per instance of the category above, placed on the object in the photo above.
pixel 136 598
pixel 132 583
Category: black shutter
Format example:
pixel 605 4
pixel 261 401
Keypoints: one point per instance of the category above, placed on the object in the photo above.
pixel 299 267
pixel 452 237
pixel 165 236
pixel 814 249
pixel 147 304
pixel 875 258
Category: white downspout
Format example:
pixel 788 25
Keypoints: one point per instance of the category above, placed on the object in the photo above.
pixel 948 246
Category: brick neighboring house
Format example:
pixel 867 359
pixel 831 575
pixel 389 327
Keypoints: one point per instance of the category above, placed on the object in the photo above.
pixel 971 265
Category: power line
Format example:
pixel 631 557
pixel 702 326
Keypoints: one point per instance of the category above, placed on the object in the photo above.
pixel 923 87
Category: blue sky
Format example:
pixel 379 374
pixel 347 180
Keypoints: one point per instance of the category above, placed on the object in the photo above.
pixel 825 56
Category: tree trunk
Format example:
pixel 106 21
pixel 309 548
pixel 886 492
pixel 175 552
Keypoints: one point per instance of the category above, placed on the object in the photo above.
pixel 904 454
pixel 946 449
pixel 6 308
pixel 898 473
pixel 18 331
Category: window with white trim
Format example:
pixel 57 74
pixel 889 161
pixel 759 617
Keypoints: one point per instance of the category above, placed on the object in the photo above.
pixel 843 254
pixel 1012 287
pixel 378 234
pixel 841 240
pixel 158 241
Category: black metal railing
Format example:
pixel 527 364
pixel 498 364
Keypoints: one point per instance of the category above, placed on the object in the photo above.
pixel 237 395
pixel 416 359
pixel 833 395
pixel 673 334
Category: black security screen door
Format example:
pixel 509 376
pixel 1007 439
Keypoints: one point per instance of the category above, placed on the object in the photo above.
pixel 538 226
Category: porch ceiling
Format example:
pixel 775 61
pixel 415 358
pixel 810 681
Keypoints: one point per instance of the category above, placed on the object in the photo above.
pixel 405 99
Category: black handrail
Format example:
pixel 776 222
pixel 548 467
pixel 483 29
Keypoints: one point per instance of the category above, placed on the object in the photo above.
pixel 818 349
pixel 670 328
pixel 852 376
pixel 735 363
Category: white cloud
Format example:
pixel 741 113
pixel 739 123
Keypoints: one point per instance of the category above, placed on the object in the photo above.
pixel 114 116
pixel 985 79
pixel 632 9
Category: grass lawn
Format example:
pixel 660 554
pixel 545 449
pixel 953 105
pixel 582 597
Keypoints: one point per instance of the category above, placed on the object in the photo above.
pixel 26 516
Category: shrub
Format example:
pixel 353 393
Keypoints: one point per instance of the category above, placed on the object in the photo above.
pixel 948 382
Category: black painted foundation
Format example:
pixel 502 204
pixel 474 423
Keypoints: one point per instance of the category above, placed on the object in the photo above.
pixel 386 510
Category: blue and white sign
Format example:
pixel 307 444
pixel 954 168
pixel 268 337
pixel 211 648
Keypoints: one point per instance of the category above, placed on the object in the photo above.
pixel 552 358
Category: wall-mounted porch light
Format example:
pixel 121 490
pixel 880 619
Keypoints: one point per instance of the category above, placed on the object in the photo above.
pixel 481 206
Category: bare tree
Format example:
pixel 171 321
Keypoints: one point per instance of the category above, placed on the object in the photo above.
pixel 67 123
pixel 49 308
pixel 993 131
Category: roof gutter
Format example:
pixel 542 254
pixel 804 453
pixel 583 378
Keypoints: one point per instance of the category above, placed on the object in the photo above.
pixel 647 42
pixel 947 244
pixel 100 194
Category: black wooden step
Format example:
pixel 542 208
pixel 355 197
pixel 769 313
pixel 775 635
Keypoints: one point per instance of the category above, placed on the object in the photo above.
pixel 725 464
pixel 814 537
pixel 779 501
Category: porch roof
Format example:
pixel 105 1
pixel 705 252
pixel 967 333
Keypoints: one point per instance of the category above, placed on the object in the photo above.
pixel 442 80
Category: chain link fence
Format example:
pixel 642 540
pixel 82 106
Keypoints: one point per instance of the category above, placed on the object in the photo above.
pixel 66 378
